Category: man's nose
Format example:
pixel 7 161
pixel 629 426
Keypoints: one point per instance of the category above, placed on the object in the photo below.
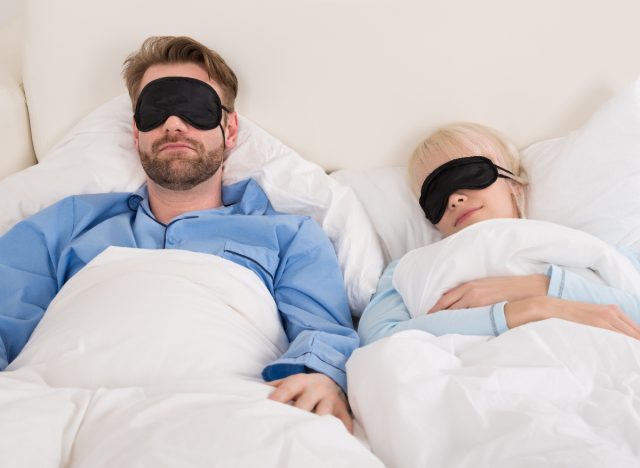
pixel 174 124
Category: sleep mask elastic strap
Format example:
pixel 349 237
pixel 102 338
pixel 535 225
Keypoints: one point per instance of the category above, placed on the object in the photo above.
pixel 194 101
pixel 472 172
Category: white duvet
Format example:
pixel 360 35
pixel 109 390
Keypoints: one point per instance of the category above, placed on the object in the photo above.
pixel 546 394
pixel 507 247
pixel 151 359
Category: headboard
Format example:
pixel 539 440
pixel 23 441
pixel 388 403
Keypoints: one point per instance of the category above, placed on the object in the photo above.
pixel 348 83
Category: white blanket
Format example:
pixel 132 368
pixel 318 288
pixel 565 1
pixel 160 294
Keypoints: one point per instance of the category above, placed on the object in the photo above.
pixel 546 394
pixel 507 247
pixel 152 359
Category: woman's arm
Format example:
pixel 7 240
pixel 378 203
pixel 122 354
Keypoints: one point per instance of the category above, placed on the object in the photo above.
pixel 558 283
pixel 608 316
pixel 387 314
pixel 570 286
pixel 560 294
pixel 487 291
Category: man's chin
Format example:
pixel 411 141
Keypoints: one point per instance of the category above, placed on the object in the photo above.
pixel 179 170
pixel 180 181
pixel 177 185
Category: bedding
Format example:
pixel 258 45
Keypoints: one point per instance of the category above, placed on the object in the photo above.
pixel 580 179
pixel 109 379
pixel 550 393
pixel 507 247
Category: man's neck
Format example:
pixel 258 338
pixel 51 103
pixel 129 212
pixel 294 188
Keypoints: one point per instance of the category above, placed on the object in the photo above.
pixel 167 204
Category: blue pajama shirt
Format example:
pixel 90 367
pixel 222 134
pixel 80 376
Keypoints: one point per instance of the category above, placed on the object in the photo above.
pixel 387 314
pixel 290 254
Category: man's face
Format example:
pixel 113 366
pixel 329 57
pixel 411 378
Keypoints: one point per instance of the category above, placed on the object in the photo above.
pixel 175 155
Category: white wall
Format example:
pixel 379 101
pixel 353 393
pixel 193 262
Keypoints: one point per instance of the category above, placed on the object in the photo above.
pixel 350 83
pixel 11 31
pixel 9 9
pixel 15 132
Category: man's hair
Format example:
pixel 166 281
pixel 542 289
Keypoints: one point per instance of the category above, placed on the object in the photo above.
pixel 159 50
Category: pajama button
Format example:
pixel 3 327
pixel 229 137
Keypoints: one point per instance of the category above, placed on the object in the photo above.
pixel 134 202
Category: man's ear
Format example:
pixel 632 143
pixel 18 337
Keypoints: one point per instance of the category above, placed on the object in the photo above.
pixel 136 133
pixel 231 130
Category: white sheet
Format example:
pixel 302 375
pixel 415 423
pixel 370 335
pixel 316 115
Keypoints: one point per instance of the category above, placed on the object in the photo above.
pixel 507 247
pixel 152 358
pixel 547 394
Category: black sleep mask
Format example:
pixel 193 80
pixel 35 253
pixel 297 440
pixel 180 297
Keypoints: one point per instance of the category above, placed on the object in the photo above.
pixel 473 172
pixel 192 100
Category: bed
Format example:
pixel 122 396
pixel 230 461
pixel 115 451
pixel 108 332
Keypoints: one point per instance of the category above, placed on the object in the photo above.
pixel 333 96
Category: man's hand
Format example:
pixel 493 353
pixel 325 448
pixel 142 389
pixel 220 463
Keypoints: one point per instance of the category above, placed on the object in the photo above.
pixel 313 392
pixel 487 291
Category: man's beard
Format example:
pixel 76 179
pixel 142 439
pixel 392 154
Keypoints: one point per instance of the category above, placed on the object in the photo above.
pixel 181 172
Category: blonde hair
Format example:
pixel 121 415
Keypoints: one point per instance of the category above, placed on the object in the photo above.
pixel 157 50
pixel 468 139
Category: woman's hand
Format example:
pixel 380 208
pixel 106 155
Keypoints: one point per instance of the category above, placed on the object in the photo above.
pixel 609 317
pixel 487 291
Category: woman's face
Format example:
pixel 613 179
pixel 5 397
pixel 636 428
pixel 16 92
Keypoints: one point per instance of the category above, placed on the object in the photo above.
pixel 467 206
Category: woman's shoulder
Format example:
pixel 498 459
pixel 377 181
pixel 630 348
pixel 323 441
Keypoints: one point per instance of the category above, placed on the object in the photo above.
pixel 632 254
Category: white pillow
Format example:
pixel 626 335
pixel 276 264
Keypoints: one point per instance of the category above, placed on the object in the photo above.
pixel 587 180
pixel 392 207
pixel 590 179
pixel 98 155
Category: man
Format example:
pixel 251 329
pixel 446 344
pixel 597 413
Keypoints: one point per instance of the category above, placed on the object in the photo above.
pixel 183 96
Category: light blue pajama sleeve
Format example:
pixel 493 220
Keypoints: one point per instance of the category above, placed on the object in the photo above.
pixel 565 284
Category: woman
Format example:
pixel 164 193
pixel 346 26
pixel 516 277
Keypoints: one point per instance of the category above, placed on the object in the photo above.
pixel 463 174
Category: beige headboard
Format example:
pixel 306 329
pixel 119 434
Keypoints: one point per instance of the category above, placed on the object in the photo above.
pixel 349 83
